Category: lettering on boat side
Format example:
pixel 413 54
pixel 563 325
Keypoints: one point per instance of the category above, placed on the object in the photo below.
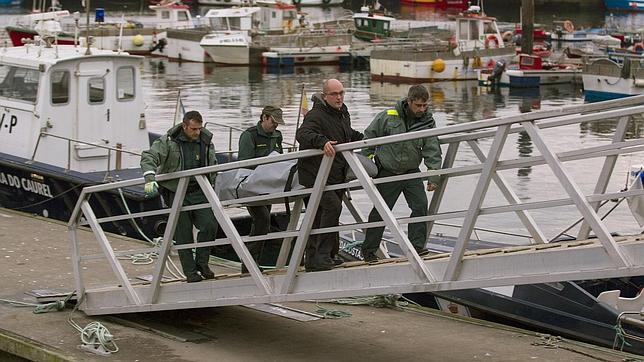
pixel 8 121
pixel 26 184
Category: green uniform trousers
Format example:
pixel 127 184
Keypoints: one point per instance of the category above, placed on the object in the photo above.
pixel 204 221
pixel 261 225
pixel 414 191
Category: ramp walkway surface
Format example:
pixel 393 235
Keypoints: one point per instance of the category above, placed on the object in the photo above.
pixel 35 253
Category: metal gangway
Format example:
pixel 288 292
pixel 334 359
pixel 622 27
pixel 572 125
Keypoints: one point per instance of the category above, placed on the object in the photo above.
pixel 601 256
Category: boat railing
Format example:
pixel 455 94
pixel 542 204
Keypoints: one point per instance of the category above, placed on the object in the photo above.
pixel 491 141
pixel 118 150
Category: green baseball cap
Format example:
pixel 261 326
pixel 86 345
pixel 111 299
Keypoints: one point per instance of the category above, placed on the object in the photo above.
pixel 274 112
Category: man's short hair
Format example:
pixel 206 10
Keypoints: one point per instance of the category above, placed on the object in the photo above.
pixel 418 92
pixel 192 116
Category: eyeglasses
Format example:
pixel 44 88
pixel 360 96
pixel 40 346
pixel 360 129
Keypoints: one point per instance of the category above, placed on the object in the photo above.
pixel 335 94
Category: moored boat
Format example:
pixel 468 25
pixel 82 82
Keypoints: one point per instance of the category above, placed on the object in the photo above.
pixel 71 117
pixel 477 44
pixel 127 35
pixel 606 79
pixel 531 72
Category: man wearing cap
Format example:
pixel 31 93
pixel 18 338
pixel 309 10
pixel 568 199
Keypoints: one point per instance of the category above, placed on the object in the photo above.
pixel 259 141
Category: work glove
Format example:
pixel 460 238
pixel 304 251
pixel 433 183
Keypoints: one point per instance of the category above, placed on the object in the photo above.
pixel 151 187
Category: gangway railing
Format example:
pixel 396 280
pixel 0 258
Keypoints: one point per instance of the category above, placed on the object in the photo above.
pixel 542 261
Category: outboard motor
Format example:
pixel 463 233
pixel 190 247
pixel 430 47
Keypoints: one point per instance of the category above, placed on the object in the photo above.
pixel 159 45
pixel 498 69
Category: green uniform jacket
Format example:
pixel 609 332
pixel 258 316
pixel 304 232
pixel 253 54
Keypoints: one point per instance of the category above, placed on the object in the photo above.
pixel 402 157
pixel 165 156
pixel 255 142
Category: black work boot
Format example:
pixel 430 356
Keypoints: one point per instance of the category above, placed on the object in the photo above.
pixel 369 257
pixel 193 278
pixel 205 271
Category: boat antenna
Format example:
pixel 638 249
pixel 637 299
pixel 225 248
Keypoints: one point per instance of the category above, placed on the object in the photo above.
pixel 121 33
pixel 87 33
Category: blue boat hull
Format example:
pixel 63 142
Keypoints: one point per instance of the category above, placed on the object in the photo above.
pixel 625 5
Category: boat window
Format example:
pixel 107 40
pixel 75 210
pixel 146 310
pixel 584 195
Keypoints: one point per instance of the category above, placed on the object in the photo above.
pixel 59 87
pixel 96 90
pixel 462 29
pixel 18 83
pixel 183 16
pixel 273 14
pixel 474 30
pixel 489 27
pixel 125 83
pixel 165 14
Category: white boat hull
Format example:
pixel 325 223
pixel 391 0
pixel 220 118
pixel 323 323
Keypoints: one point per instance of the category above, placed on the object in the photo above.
pixel 228 54
pixel 532 78
pixel 183 48
pixel 457 68
pixel 603 87
pixel 316 55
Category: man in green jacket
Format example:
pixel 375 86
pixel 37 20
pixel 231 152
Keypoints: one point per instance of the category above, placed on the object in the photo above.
pixel 259 141
pixel 410 114
pixel 185 146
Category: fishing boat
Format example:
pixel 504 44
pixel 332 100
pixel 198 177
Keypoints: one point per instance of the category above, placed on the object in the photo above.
pixel 531 72
pixel 605 78
pixel 374 26
pixel 127 35
pixel 477 44
pixel 51 148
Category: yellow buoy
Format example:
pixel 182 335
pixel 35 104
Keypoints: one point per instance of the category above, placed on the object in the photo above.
pixel 438 65
pixel 138 40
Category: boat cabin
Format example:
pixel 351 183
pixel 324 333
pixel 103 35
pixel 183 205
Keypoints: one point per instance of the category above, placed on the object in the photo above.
pixel 371 26
pixel 267 19
pixel 52 97
pixel 530 62
pixel 474 30
pixel 172 16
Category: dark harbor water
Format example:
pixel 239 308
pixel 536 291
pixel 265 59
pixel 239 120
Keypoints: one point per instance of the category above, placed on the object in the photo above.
pixel 234 97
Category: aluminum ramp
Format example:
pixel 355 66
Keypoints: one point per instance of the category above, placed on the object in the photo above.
pixel 604 256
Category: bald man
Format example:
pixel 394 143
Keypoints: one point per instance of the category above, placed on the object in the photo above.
pixel 326 125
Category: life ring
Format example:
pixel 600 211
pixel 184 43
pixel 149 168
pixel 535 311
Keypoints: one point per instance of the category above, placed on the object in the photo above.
pixel 638 47
pixel 569 26
pixel 491 41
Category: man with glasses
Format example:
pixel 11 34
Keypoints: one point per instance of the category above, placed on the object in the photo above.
pixel 324 126
pixel 259 141
pixel 410 114
pixel 185 146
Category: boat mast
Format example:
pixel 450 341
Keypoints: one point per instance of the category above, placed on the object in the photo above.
pixel 87 37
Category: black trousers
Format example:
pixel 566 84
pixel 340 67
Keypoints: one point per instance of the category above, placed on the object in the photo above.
pixel 320 247
pixel 261 224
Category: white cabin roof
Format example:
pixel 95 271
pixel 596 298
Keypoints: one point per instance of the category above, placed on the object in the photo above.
pixel 374 16
pixel 32 56
pixel 231 12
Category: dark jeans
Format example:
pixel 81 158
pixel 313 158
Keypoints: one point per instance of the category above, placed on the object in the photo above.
pixel 261 224
pixel 416 197
pixel 320 247
pixel 204 221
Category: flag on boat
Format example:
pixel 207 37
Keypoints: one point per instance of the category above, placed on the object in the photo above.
pixel 179 110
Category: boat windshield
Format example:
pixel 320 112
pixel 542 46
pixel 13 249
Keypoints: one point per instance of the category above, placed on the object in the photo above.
pixel 18 83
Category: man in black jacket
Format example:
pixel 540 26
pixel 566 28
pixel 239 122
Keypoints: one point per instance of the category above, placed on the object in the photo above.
pixel 327 124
